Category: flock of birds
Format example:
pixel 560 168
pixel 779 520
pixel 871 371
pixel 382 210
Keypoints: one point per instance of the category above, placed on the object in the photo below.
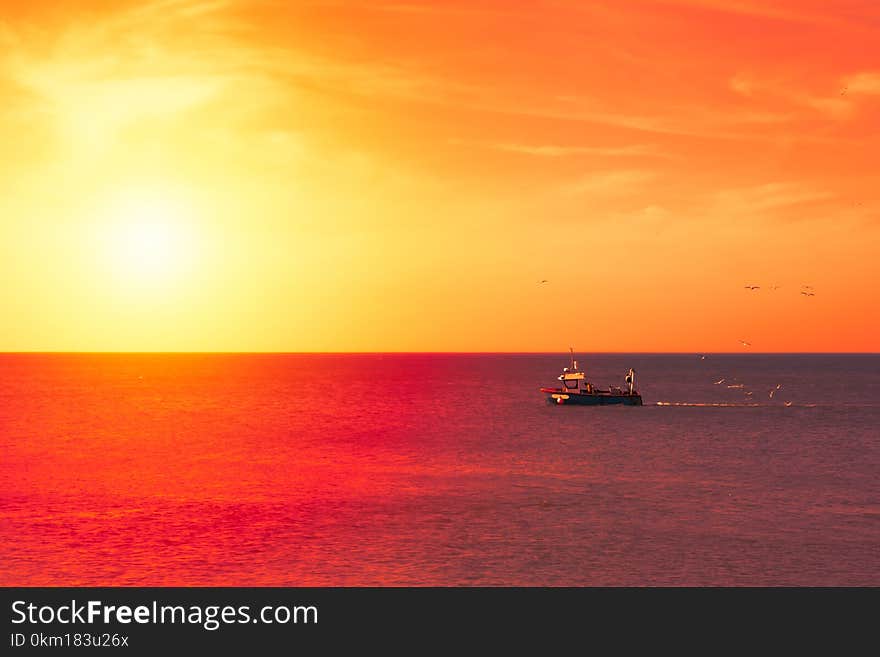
pixel 735 385
pixel 806 290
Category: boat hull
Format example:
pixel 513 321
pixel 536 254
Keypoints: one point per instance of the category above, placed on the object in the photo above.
pixel 561 397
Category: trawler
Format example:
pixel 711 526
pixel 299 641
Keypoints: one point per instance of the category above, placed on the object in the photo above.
pixel 577 390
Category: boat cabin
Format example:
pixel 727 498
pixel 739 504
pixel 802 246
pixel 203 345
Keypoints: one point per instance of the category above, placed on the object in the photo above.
pixel 575 380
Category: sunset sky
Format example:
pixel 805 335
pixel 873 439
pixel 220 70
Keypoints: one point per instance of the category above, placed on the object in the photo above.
pixel 399 176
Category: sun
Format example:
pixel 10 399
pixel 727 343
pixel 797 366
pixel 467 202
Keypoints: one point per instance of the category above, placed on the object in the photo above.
pixel 149 236
pixel 150 241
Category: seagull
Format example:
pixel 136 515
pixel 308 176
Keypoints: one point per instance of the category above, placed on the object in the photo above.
pixel 771 394
pixel 808 294
pixel 843 91
pixel 702 358
pixel 753 287
pixel 543 281
pixel 775 287
pixel 788 403
pixel 719 382
pixel 745 344
pixel 736 385
pixel 749 393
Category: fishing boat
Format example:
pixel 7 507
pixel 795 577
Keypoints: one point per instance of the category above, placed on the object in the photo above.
pixel 577 390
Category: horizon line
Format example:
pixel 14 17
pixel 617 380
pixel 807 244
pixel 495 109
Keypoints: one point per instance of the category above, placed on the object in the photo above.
pixel 431 353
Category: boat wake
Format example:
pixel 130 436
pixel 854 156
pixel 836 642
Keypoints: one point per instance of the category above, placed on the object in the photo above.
pixel 733 405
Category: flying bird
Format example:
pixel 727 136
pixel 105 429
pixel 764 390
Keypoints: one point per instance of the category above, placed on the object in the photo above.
pixel 775 287
pixel 736 385
pixel 807 293
pixel 788 403
pixel 702 357
pixel 543 281
pixel 745 344
pixel 719 382
pixel 753 287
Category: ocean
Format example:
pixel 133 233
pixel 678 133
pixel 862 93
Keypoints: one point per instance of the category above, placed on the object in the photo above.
pixel 437 469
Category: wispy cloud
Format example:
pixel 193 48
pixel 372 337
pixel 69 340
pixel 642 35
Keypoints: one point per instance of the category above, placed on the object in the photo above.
pixel 560 151
pixel 431 8
pixel 766 197
pixel 836 105
pixel 777 11
pixel 866 82
pixel 609 183
pixel 192 53
pixel 684 120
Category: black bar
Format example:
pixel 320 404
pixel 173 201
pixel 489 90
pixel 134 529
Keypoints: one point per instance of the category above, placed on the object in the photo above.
pixel 415 619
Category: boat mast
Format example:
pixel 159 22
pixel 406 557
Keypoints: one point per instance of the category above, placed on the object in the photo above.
pixel 631 379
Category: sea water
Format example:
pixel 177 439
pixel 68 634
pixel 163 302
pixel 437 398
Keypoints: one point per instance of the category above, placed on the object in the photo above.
pixel 437 469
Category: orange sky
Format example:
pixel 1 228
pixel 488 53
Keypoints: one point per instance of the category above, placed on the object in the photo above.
pixel 296 176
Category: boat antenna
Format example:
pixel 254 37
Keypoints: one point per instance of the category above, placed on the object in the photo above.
pixel 571 351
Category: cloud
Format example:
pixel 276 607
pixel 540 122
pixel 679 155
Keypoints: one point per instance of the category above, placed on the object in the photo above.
pixel 559 151
pixel 609 183
pixel 764 9
pixel 768 197
pixel 118 67
pixel 742 84
pixel 867 82
pixel 697 120
pixel 434 8
pixel 171 56
pixel 830 107
pixel 836 106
